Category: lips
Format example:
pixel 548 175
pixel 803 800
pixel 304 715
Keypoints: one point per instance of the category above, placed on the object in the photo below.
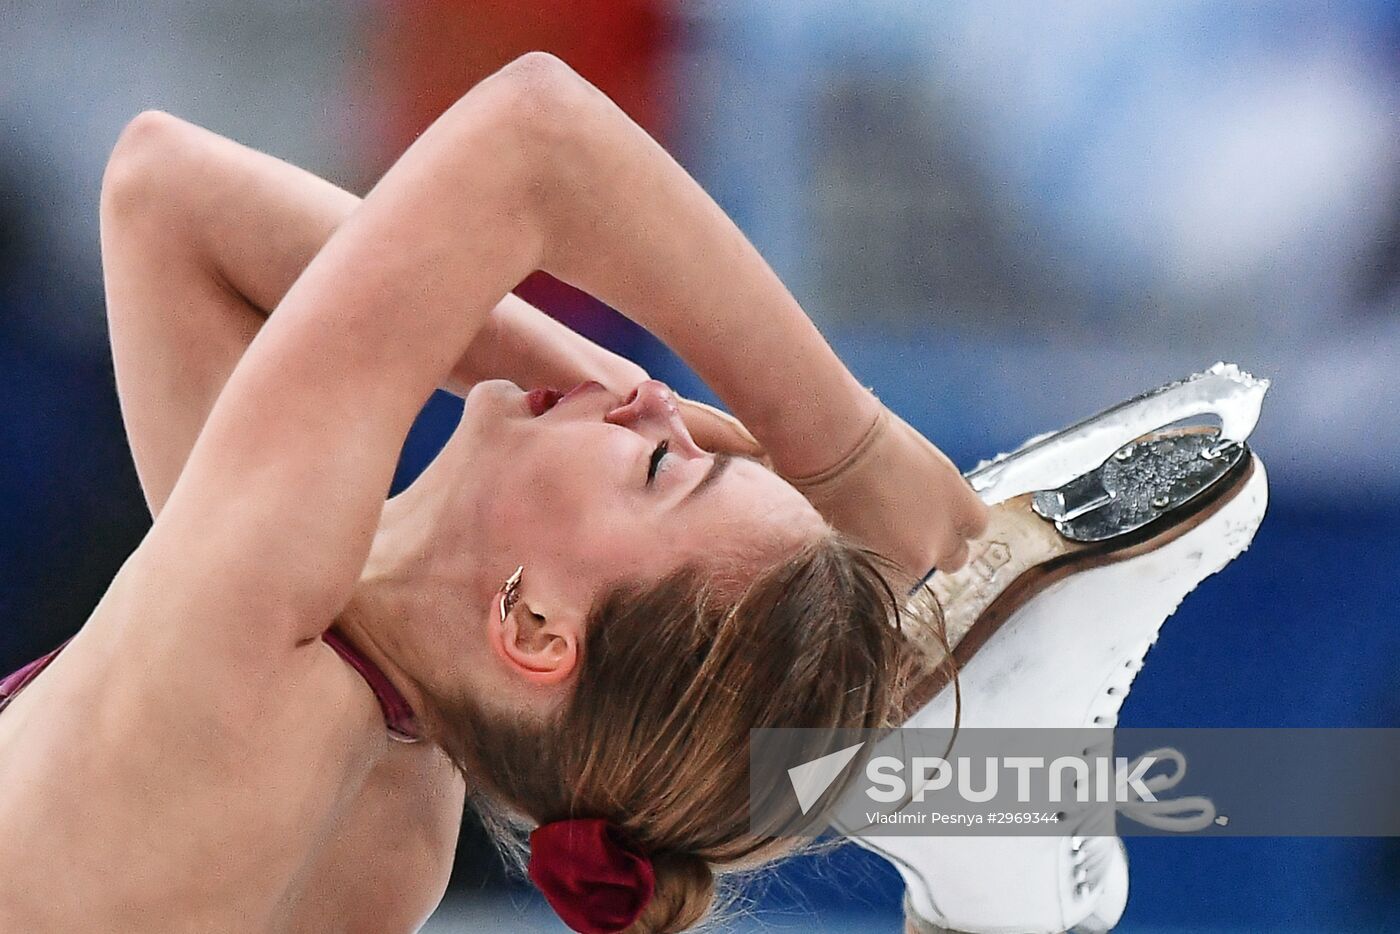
pixel 581 388
pixel 540 401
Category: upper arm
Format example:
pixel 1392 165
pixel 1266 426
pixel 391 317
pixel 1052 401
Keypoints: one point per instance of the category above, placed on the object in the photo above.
pixel 625 222
pixel 280 497
pixel 176 330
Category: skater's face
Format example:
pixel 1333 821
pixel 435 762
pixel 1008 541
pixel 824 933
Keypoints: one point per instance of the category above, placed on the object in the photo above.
pixel 588 489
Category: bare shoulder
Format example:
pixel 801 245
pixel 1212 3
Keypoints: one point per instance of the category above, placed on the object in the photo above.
pixel 202 601
pixel 144 739
pixel 155 659
pixel 128 669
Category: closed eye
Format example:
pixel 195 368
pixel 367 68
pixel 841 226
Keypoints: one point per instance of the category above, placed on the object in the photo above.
pixel 655 462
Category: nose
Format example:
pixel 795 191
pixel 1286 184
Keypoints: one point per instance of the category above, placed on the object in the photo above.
pixel 651 401
pixel 651 409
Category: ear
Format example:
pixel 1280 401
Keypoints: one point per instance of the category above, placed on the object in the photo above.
pixel 541 649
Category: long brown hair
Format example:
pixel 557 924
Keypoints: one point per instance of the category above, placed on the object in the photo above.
pixel 673 676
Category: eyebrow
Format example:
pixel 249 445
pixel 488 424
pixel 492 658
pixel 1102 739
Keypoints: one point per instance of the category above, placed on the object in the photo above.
pixel 717 468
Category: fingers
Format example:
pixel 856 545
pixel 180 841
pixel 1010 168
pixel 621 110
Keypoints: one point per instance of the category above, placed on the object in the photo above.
pixel 955 559
pixel 715 430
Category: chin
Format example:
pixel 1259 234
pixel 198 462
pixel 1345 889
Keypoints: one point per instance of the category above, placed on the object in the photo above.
pixel 488 403
pixel 491 393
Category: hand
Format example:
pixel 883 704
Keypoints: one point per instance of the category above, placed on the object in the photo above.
pixel 717 431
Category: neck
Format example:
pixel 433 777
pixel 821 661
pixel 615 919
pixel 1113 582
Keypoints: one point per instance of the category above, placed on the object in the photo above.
pixel 359 624
pixel 408 615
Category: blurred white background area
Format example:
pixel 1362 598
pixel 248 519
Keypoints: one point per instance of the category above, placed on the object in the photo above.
pixel 1055 206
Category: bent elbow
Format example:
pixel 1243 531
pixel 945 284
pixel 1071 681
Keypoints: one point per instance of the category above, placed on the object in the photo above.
pixel 143 151
pixel 528 115
pixel 541 81
pixel 543 100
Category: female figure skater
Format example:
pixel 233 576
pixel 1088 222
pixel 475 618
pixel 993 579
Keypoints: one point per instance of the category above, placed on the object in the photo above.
pixel 579 608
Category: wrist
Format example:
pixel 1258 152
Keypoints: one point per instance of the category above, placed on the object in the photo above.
pixel 832 473
pixel 807 447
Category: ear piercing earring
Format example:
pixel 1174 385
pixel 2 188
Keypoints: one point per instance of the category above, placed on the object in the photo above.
pixel 510 592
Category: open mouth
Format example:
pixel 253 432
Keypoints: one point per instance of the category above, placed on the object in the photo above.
pixel 540 401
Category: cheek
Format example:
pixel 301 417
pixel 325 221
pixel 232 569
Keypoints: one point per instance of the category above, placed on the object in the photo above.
pixel 592 530
pixel 555 506
pixel 560 493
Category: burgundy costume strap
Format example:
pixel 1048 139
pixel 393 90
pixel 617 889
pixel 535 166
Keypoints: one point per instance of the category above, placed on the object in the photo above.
pixel 398 715
pixel 12 684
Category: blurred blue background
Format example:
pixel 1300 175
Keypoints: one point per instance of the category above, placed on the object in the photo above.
pixel 1005 216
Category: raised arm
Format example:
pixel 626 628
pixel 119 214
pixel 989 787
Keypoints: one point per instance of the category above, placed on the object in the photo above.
pixel 276 506
pixel 281 494
pixel 626 223
pixel 202 238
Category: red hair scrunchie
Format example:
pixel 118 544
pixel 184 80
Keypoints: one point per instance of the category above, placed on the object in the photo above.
pixel 595 883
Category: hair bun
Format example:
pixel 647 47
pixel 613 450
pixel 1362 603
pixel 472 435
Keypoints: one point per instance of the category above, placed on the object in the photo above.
pixel 594 881
pixel 684 894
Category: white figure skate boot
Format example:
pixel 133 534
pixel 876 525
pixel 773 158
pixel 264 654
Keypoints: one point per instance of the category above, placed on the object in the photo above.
pixel 1101 531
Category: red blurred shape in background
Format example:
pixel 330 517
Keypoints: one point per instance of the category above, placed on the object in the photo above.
pixel 427 53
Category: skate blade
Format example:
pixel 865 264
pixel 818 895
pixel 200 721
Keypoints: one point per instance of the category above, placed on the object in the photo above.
pixel 1224 392
pixel 1148 493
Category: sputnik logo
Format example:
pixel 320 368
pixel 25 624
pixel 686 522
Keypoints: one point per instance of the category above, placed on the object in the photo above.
pixel 811 779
